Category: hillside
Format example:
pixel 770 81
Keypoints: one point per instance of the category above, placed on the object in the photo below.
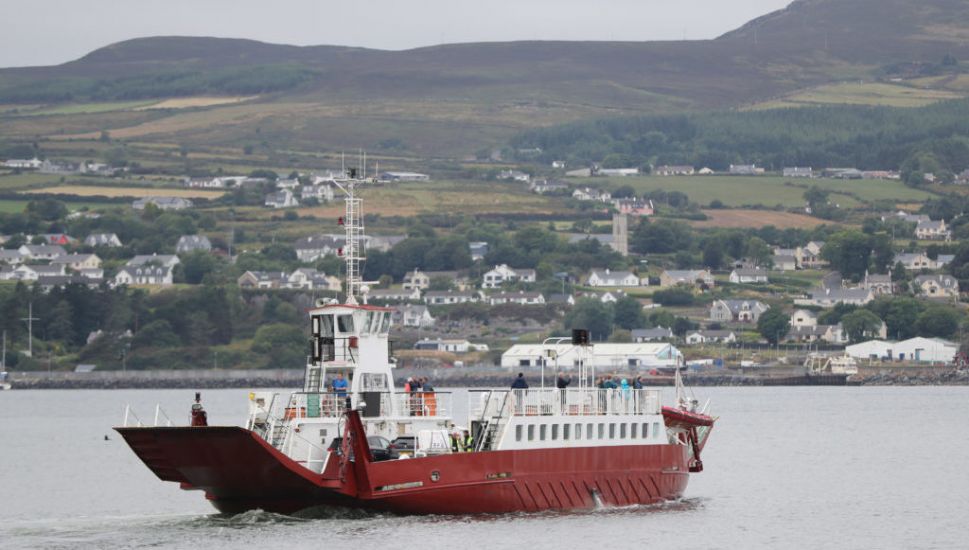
pixel 454 99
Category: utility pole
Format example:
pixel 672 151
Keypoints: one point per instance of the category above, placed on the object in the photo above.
pixel 30 328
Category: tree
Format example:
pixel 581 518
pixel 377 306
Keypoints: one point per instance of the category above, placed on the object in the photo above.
pixel 861 325
pixel 849 252
pixel 676 296
pixel 661 237
pixel 47 209
pixel 592 315
pixel 773 325
pixel 156 334
pixel 628 313
pixel 624 192
pixel 713 254
pixel 759 252
pixel 900 315
pixel 938 322
pixel 196 265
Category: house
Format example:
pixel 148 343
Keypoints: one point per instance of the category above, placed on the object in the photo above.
pixel 457 280
pixel 688 277
pixel 262 279
pixel 561 300
pixel 145 274
pixel 108 240
pixel 415 316
pixel 590 194
pixel 809 255
pixel 448 297
pixel 49 282
pixel 932 230
pixel 287 184
pixel 478 250
pixel 843 173
pixel 695 337
pixel 634 207
pixel 322 193
pixel 558 164
pixel 543 187
pixel 41 251
pixel 798 172
pixel 383 243
pixel 515 175
pixel 608 277
pixel 166 260
pixel 33 272
pixel 916 261
pixel 314 247
pixel 830 334
pixel 162 203
pixel 666 170
pixel 502 274
pixel 62 239
pixel 311 279
pixel 281 199
pixel 520 298
pixel 416 280
pixel 737 311
pixel 605 357
pixel 91 273
pixel 748 276
pixel 403 176
pixel 193 243
pixel 927 350
pixel 937 286
pixel 830 297
pixel 452 346
pixel 609 297
pixel 618 172
pixel 784 262
pixel 745 170
pixel 879 284
pixel 394 295
pixel 11 256
pixel 641 335
pixel 912 218
pixel 24 164
pixel 77 262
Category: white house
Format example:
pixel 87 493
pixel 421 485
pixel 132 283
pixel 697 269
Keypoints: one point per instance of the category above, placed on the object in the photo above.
pixel 11 256
pixel 281 199
pixel 695 337
pixel 932 230
pixel 449 297
pixel 937 286
pixel 42 251
pixel 520 298
pixel 415 316
pixel 309 278
pixel 452 346
pixel 192 243
pixel 78 262
pixel 502 274
pixel 672 277
pixel 604 357
pixel 804 318
pixel 590 194
pixel 748 276
pixel 103 239
pixel 916 261
pixel 515 175
pixel 666 170
pixel 641 335
pixel 798 172
pixel 404 176
pixel 34 272
pixel 165 260
pixel 314 247
pixel 608 277
pixel 394 295
pixel 146 274
pixel 739 311
pixel 163 203
pixel 416 280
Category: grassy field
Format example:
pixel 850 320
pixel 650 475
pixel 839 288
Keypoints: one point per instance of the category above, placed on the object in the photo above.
pixel 861 93
pixel 99 191
pixel 89 108
pixel 757 218
pixel 738 191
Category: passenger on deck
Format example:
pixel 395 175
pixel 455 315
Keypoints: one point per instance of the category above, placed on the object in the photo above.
pixel 468 442
pixel 520 383
pixel 562 383
pixel 339 385
pixel 638 383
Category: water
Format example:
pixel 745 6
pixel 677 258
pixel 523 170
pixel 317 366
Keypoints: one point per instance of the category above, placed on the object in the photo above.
pixel 786 468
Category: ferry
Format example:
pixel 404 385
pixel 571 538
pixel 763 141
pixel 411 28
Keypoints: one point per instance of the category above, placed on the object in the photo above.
pixel 350 438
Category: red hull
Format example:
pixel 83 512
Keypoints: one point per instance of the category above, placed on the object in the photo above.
pixel 239 471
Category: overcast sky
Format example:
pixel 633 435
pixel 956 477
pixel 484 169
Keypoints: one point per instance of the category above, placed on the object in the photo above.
pixel 46 32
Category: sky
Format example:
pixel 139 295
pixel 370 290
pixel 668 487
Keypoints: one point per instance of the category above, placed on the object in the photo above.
pixel 49 32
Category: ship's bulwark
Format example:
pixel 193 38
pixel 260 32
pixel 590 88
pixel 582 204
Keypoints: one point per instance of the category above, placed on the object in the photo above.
pixel 239 471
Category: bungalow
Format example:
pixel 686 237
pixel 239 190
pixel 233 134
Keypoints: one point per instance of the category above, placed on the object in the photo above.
pixel 34 272
pixel 937 286
pixel 403 176
pixel 784 262
pixel 42 251
pixel 311 279
pixel 932 230
pixel 543 187
pixel 165 260
pixel 416 280
pixel 162 203
pixel 23 164
pixel 62 239
pixel 831 334
pixel 287 184
pixel 322 193
pixel 146 274
pixel 590 194
pixel 618 172
pixel 915 261
pixel 11 256
pixel 634 207
pixel 502 274
pixel 799 172
pixel 666 170
pixel 695 337
pixel 262 279
pixel 831 297
pixel 748 276
pixel 394 295
pixel 281 199
pixel 521 298
pixel 109 240
pixel 745 170
pixel 449 297
pixel 514 175
pixel 739 311
pixel 453 346
pixel 193 243
pixel 879 284
pixel 641 335
pixel 383 243
pixel 314 247
pixel 613 278
pixel 804 318
pixel 689 277
pixel 912 218
pixel 415 316
pixel 78 262
pixel 561 300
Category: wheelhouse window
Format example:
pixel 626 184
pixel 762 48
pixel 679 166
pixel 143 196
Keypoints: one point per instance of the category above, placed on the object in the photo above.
pixel 345 323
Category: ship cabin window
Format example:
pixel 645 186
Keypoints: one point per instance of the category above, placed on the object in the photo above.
pixel 518 432
pixel 542 431
pixel 566 431
pixel 612 430
pixel 655 429
pixel 645 430
pixel 578 431
pixel 385 324
pixel 588 431
pixel 531 432
pixel 345 323
pixel 602 431
pixel 634 430
pixel 555 432
pixel 622 431
pixel 326 326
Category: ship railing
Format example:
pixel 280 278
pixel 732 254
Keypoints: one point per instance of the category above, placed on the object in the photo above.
pixel 416 404
pixel 303 405
pixel 568 402
pixel 131 419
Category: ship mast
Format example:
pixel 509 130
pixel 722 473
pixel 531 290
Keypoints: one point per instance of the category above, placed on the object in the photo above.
pixel 353 224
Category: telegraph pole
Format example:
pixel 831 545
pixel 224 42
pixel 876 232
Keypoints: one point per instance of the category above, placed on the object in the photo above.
pixel 30 328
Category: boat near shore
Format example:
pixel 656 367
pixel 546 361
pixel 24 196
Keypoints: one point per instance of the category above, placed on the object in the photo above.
pixel 350 438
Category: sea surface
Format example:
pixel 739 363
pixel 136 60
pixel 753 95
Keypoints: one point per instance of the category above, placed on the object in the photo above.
pixel 811 468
